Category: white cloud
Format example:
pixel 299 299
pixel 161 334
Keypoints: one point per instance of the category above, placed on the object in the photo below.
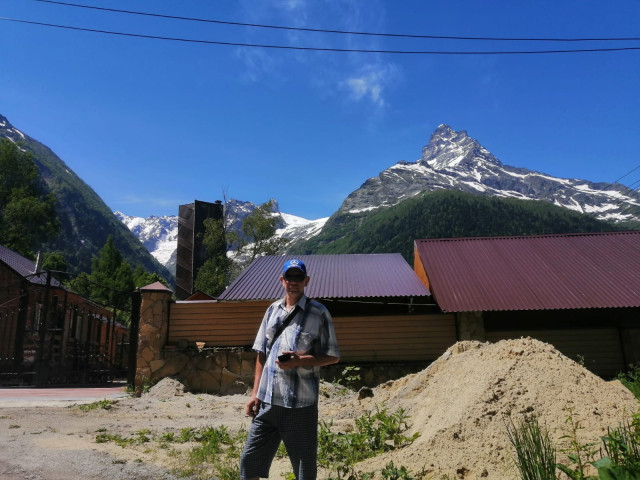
pixel 363 78
pixel 370 83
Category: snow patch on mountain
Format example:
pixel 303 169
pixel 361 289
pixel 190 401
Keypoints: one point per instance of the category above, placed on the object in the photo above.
pixel 159 235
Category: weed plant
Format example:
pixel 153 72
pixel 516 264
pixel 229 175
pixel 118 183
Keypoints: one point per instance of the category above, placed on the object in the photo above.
pixel 619 452
pixel 104 404
pixel 350 378
pixel 581 455
pixel 535 452
pixel 215 452
pixel 374 434
pixel 621 446
pixel 631 379
pixel 140 437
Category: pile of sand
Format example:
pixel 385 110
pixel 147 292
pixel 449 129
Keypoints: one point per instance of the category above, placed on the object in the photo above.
pixel 166 389
pixel 459 405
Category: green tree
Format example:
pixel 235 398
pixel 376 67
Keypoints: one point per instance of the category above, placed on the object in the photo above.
pixel 27 214
pixel 142 278
pixel 258 235
pixel 81 285
pixel 213 276
pixel 54 261
pixel 111 276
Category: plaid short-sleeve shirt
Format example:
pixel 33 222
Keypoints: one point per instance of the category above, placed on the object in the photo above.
pixel 310 332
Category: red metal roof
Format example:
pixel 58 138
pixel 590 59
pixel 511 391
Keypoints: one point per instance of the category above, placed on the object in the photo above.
pixel 332 276
pixel 545 272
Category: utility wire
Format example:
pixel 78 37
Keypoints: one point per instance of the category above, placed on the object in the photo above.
pixel 320 49
pixel 343 32
pixel 626 174
pixel 631 208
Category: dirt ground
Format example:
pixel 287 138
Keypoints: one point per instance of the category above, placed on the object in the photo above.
pixel 458 405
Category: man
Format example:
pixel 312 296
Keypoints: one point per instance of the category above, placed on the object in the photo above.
pixel 284 400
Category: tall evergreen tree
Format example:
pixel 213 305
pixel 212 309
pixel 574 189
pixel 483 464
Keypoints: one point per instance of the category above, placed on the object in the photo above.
pixel 27 214
pixel 111 276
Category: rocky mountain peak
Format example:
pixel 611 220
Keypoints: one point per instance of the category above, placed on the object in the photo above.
pixel 448 149
pixel 454 161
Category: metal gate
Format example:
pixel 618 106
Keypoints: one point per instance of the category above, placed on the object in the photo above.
pixel 52 336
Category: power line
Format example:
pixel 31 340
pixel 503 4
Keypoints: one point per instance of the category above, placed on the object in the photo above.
pixel 620 178
pixel 626 174
pixel 343 32
pixel 320 49
pixel 631 208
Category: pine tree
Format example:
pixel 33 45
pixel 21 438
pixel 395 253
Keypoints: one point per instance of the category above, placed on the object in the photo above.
pixel 111 276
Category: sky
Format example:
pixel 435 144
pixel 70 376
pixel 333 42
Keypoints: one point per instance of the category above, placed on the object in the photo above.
pixel 152 123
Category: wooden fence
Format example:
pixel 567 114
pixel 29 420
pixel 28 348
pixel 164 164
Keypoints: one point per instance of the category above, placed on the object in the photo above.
pixel 362 339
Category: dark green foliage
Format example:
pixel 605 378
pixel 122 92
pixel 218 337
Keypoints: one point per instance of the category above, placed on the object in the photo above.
pixel 374 434
pixel 112 277
pixel 27 212
pixel 622 447
pixel 81 285
pixel 213 275
pixel 142 278
pixel 54 261
pixel 446 214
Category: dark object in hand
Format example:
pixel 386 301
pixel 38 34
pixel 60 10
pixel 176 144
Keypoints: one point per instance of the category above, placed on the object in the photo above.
pixel 285 357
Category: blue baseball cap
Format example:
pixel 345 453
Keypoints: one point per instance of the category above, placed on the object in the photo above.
pixel 294 263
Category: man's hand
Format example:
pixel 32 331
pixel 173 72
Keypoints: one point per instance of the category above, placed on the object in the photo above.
pixel 252 407
pixel 288 360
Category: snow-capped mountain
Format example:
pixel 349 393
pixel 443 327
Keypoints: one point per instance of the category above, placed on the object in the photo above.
pixel 453 160
pixel 159 234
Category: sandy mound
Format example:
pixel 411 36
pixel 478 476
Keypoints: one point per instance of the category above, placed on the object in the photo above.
pixel 460 402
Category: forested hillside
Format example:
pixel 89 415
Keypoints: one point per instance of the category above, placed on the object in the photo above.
pixel 86 221
pixel 446 214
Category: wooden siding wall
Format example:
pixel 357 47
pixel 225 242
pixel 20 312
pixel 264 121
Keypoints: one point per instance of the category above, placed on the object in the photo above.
pixel 396 338
pixel 223 324
pixel 598 347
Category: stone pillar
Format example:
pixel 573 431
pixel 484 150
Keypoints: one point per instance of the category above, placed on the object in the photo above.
pixel 153 332
pixel 470 326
